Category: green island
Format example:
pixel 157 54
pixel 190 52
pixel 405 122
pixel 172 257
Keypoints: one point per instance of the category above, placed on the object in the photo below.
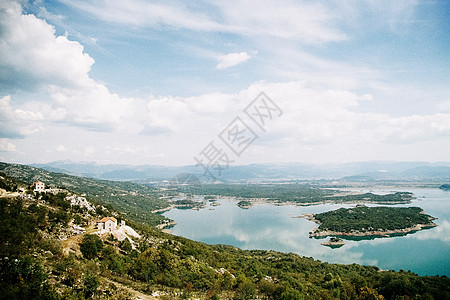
pixel 49 249
pixel 334 242
pixel 370 221
pixel 245 204
pixel 445 187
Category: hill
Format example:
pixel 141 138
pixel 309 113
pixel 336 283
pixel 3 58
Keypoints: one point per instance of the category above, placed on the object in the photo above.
pixel 137 201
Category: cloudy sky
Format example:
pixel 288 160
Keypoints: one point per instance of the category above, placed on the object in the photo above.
pixel 166 82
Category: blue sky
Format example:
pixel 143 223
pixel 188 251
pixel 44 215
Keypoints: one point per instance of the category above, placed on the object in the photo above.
pixel 154 82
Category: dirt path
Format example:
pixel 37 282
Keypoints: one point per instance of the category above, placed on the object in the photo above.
pixel 72 245
pixel 138 295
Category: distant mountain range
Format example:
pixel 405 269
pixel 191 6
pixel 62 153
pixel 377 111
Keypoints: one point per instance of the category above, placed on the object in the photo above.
pixel 356 171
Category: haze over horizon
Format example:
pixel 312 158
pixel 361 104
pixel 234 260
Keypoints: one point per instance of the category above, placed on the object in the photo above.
pixel 166 83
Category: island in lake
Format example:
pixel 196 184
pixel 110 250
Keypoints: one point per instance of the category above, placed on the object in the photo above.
pixel 334 242
pixel 445 187
pixel 370 221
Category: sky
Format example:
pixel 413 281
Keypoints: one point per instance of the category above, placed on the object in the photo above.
pixel 240 82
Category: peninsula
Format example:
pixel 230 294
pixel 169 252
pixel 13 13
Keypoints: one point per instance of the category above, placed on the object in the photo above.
pixel 370 221
pixel 248 195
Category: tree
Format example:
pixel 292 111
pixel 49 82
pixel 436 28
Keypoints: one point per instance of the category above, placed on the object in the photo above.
pixel 90 284
pixel 24 279
pixel 369 294
pixel 91 246
pixel 126 245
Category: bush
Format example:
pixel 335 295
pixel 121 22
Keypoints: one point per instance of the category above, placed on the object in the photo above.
pixel 24 279
pixel 90 284
pixel 91 246
pixel 126 245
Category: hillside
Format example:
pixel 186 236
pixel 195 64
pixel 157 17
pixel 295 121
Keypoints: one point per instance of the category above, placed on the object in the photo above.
pixel 41 257
pixel 134 200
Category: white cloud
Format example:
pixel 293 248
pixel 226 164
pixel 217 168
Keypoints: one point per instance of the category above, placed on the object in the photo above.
pixel 322 116
pixel 302 21
pixel 88 151
pixel 16 123
pixel 168 114
pixel 143 13
pixel 322 119
pixel 33 57
pixel 311 117
pixel 7 146
pixel 94 108
pixel 444 106
pixel 316 125
pixel 412 128
pixel 232 59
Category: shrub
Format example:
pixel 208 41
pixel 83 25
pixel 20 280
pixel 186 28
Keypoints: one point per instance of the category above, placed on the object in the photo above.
pixel 91 246
pixel 90 284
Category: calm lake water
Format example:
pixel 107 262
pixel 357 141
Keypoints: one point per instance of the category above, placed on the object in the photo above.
pixel 270 227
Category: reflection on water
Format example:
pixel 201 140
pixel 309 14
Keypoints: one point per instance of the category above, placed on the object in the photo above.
pixel 272 227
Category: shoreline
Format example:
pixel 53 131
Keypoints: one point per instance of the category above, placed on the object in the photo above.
pixel 387 233
pixel 163 209
pixel 330 199
pixel 172 206
pixel 259 201
pixel 163 226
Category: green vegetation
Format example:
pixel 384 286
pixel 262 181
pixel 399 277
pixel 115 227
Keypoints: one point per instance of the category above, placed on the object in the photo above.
pixel 90 246
pixel 10 184
pixel 35 263
pixel 272 192
pixel 24 279
pixel 398 197
pixel 365 219
pixel 299 193
pixel 136 201
pixel 188 203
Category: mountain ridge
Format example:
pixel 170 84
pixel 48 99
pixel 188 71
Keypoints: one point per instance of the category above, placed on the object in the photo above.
pixel 373 170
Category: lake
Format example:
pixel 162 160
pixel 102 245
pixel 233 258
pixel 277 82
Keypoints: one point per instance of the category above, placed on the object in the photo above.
pixel 270 227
